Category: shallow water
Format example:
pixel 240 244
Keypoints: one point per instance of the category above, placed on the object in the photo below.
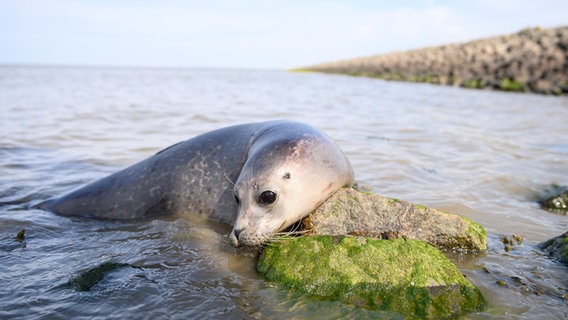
pixel 482 154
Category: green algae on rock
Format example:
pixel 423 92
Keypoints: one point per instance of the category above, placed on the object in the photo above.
pixel 351 212
pixel 410 277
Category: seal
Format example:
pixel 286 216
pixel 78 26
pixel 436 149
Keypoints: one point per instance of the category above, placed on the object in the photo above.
pixel 260 177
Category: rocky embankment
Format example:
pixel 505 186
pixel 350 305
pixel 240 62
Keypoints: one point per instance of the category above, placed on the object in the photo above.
pixel 532 60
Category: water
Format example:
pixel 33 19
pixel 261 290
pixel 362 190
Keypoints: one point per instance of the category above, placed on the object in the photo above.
pixel 482 154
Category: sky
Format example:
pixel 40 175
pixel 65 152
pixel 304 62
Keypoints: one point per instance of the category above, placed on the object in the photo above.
pixel 261 34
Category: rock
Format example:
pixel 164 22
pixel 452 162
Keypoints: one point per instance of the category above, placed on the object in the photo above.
pixel 557 203
pixel 409 277
pixel 21 236
pixel 351 212
pixel 87 279
pixel 533 59
pixel 557 248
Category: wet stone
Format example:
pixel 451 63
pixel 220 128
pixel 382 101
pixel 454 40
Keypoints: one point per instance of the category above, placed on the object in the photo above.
pixel 351 212
pixel 557 248
pixel 557 203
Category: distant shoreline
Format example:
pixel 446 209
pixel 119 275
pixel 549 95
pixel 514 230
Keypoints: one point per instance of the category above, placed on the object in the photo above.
pixel 531 60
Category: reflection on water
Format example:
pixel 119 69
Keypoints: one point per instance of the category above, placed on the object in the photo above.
pixel 481 154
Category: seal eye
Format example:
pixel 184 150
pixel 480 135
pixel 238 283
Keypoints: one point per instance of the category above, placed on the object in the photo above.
pixel 267 197
pixel 237 200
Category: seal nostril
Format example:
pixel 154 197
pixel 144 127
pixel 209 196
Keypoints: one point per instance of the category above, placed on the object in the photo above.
pixel 237 232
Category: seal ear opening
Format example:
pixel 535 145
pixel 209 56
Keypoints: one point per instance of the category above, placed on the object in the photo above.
pixel 286 175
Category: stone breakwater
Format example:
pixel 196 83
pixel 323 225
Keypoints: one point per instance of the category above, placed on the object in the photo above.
pixel 532 60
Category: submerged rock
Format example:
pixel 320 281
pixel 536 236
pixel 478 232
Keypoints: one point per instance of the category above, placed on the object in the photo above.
pixel 351 212
pixel 557 248
pixel 409 277
pixel 90 277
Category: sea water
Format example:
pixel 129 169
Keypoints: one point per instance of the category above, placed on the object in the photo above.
pixel 482 154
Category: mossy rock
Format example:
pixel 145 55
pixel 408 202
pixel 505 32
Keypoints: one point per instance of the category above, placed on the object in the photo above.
pixel 557 248
pixel 351 212
pixel 409 277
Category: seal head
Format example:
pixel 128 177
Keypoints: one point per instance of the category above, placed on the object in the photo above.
pixel 290 170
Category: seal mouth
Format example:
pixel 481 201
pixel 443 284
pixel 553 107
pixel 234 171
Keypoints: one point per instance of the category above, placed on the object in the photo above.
pixel 240 237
